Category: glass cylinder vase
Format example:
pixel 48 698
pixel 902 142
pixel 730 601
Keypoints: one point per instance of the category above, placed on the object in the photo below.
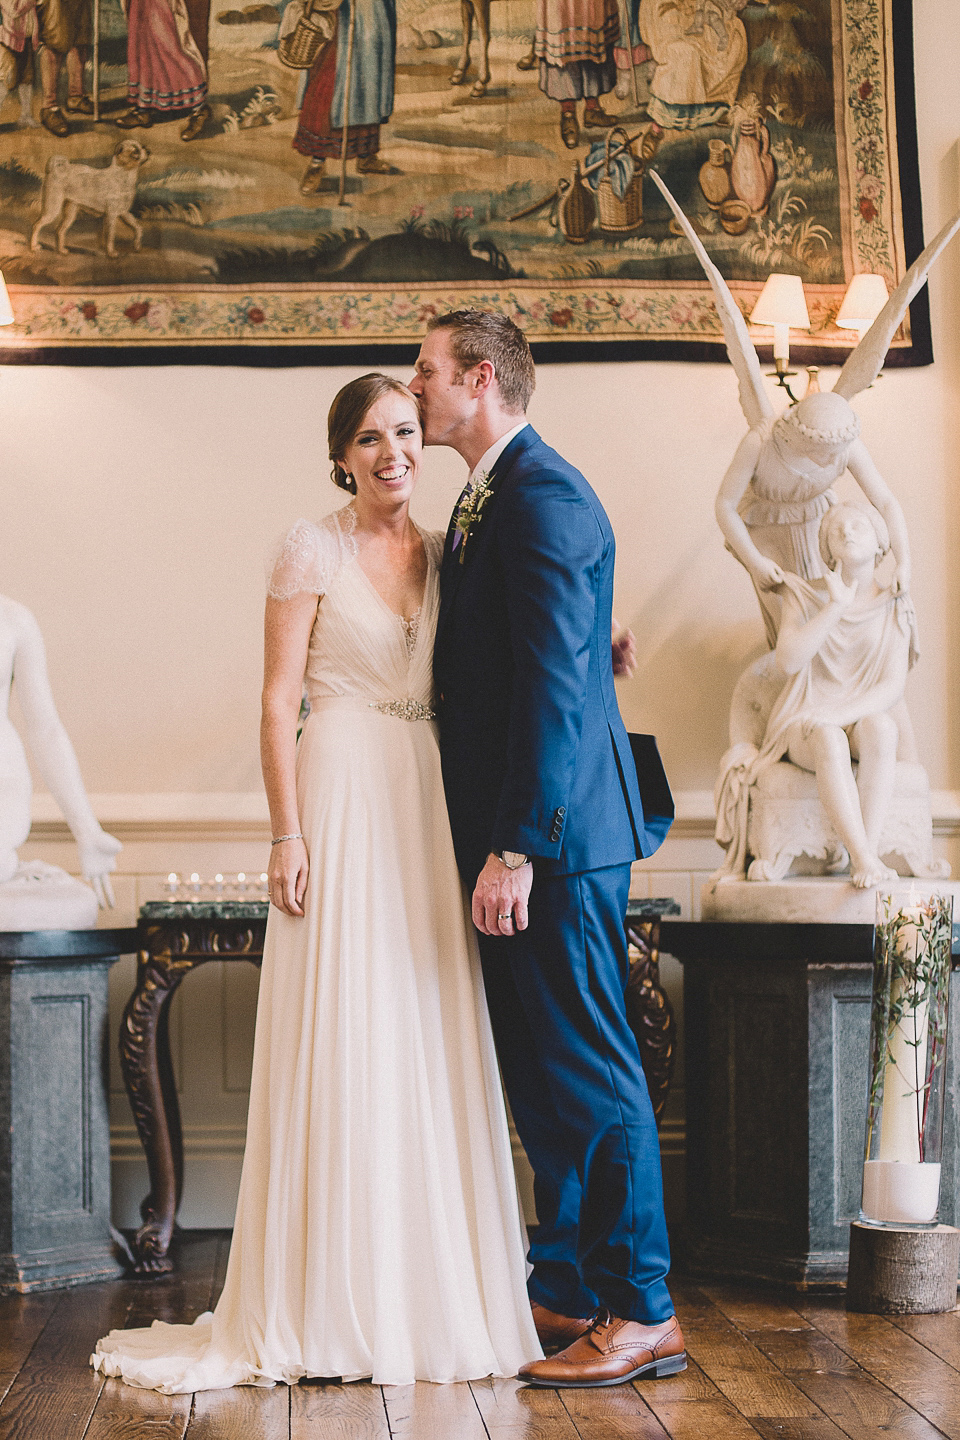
pixel 908 1057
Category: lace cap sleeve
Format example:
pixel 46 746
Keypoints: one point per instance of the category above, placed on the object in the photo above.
pixel 307 558
pixel 434 541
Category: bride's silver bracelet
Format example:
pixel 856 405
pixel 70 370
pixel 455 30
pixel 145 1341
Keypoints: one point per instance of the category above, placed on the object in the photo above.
pixel 280 839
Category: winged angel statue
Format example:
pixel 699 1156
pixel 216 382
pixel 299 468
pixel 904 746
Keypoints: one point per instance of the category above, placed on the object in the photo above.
pixel 842 640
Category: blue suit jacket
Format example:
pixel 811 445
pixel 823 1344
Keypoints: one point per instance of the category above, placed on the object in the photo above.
pixel 535 755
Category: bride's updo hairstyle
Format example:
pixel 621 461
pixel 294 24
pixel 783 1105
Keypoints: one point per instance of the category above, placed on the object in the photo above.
pixel 347 414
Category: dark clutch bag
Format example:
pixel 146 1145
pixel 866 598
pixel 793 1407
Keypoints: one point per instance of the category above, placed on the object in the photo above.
pixel 655 796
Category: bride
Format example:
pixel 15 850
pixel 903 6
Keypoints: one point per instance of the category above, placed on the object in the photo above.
pixel 377 1231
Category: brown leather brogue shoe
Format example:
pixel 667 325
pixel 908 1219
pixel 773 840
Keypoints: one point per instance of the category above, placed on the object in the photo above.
pixel 611 1352
pixel 556 1331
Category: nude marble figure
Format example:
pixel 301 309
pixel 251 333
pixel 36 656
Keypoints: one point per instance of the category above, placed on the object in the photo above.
pixel 23 664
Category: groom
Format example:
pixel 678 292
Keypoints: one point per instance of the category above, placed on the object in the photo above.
pixel 546 819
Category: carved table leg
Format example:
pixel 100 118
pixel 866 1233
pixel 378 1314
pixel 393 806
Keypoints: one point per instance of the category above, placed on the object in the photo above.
pixel 171 1101
pixel 148 1077
pixel 649 1011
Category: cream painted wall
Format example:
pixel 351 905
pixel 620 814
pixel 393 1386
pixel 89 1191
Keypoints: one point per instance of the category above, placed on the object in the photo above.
pixel 138 505
pixel 140 502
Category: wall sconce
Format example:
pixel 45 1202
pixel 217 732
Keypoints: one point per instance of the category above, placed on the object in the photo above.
pixel 865 298
pixel 6 309
pixel 781 304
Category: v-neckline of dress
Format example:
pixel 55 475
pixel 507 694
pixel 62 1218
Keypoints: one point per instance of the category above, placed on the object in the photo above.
pixel 403 621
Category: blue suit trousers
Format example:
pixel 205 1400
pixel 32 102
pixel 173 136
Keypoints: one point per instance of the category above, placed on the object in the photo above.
pixel 579 1099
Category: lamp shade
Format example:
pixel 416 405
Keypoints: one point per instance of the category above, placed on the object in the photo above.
pixel 781 302
pixel 865 298
pixel 6 309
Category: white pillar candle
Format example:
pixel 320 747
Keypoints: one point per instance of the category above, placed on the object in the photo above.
pixel 781 342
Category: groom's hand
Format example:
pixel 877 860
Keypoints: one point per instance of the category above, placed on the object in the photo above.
pixel 500 897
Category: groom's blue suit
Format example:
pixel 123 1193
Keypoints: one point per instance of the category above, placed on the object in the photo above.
pixel 536 760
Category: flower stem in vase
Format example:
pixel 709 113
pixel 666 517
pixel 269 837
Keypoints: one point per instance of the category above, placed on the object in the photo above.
pixel 901 1118
pixel 900 1185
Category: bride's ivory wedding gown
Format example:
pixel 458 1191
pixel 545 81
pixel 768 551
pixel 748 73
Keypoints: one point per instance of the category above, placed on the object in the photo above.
pixel 377 1230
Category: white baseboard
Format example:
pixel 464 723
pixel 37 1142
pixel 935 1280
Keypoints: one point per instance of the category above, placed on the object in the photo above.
pixel 213 1156
pixel 203 1140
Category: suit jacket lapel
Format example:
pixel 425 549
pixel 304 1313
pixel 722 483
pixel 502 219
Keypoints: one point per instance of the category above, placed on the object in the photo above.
pixel 452 528
pixel 451 570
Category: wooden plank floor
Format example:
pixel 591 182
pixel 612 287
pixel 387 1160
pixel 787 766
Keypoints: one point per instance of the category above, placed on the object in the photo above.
pixel 781 1366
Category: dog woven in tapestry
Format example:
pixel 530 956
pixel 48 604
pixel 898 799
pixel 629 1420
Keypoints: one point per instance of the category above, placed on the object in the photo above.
pixel 311 180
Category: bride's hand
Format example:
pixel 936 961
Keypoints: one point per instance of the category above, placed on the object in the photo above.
pixel 287 876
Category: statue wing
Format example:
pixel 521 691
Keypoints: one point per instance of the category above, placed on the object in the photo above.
pixel 754 402
pixel 866 362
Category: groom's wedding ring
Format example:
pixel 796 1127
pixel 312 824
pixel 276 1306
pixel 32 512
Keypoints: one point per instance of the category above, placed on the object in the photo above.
pixel 504 917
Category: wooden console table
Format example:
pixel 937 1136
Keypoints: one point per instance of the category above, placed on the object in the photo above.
pixel 175 937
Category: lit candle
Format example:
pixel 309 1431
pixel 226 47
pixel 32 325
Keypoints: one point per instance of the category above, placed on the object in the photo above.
pixel 218 885
pixel 195 885
pixel 172 885
pixel 241 884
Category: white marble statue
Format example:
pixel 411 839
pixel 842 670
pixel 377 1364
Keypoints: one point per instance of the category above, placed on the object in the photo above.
pixel 778 485
pixel 831 696
pixel 845 645
pixel 35 895
pixel 778 488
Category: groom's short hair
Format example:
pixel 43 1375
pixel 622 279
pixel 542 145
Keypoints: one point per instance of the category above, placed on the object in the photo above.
pixel 477 335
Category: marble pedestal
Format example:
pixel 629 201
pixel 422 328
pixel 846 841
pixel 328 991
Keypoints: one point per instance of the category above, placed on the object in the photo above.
pixel 54 1131
pixel 777 1025
pixel 807 900
pixel 44 897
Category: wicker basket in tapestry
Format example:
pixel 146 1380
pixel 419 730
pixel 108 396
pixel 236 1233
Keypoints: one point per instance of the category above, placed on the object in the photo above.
pixel 618 215
pixel 307 28
pixel 576 207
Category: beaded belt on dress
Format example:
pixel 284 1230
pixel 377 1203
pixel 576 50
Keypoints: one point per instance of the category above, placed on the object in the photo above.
pixel 404 709
pixel 400 709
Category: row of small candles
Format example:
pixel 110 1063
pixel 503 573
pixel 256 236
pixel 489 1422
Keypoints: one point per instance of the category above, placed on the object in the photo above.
pixel 221 887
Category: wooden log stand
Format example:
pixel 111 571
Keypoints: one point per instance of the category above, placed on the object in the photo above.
pixel 896 1270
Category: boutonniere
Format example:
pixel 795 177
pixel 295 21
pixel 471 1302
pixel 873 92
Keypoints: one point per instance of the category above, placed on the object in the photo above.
pixel 469 512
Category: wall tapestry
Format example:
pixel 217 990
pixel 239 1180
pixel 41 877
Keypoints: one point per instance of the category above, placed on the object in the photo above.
pixel 185 178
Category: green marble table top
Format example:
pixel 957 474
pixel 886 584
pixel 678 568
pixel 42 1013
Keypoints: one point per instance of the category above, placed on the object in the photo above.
pixel 214 909
pixel 648 909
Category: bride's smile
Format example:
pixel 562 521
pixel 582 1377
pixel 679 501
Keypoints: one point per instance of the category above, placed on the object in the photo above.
pixel 384 455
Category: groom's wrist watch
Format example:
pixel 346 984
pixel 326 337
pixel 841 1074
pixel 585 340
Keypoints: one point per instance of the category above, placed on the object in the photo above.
pixel 512 859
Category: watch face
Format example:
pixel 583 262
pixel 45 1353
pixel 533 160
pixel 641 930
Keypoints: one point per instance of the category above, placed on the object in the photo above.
pixel 513 860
